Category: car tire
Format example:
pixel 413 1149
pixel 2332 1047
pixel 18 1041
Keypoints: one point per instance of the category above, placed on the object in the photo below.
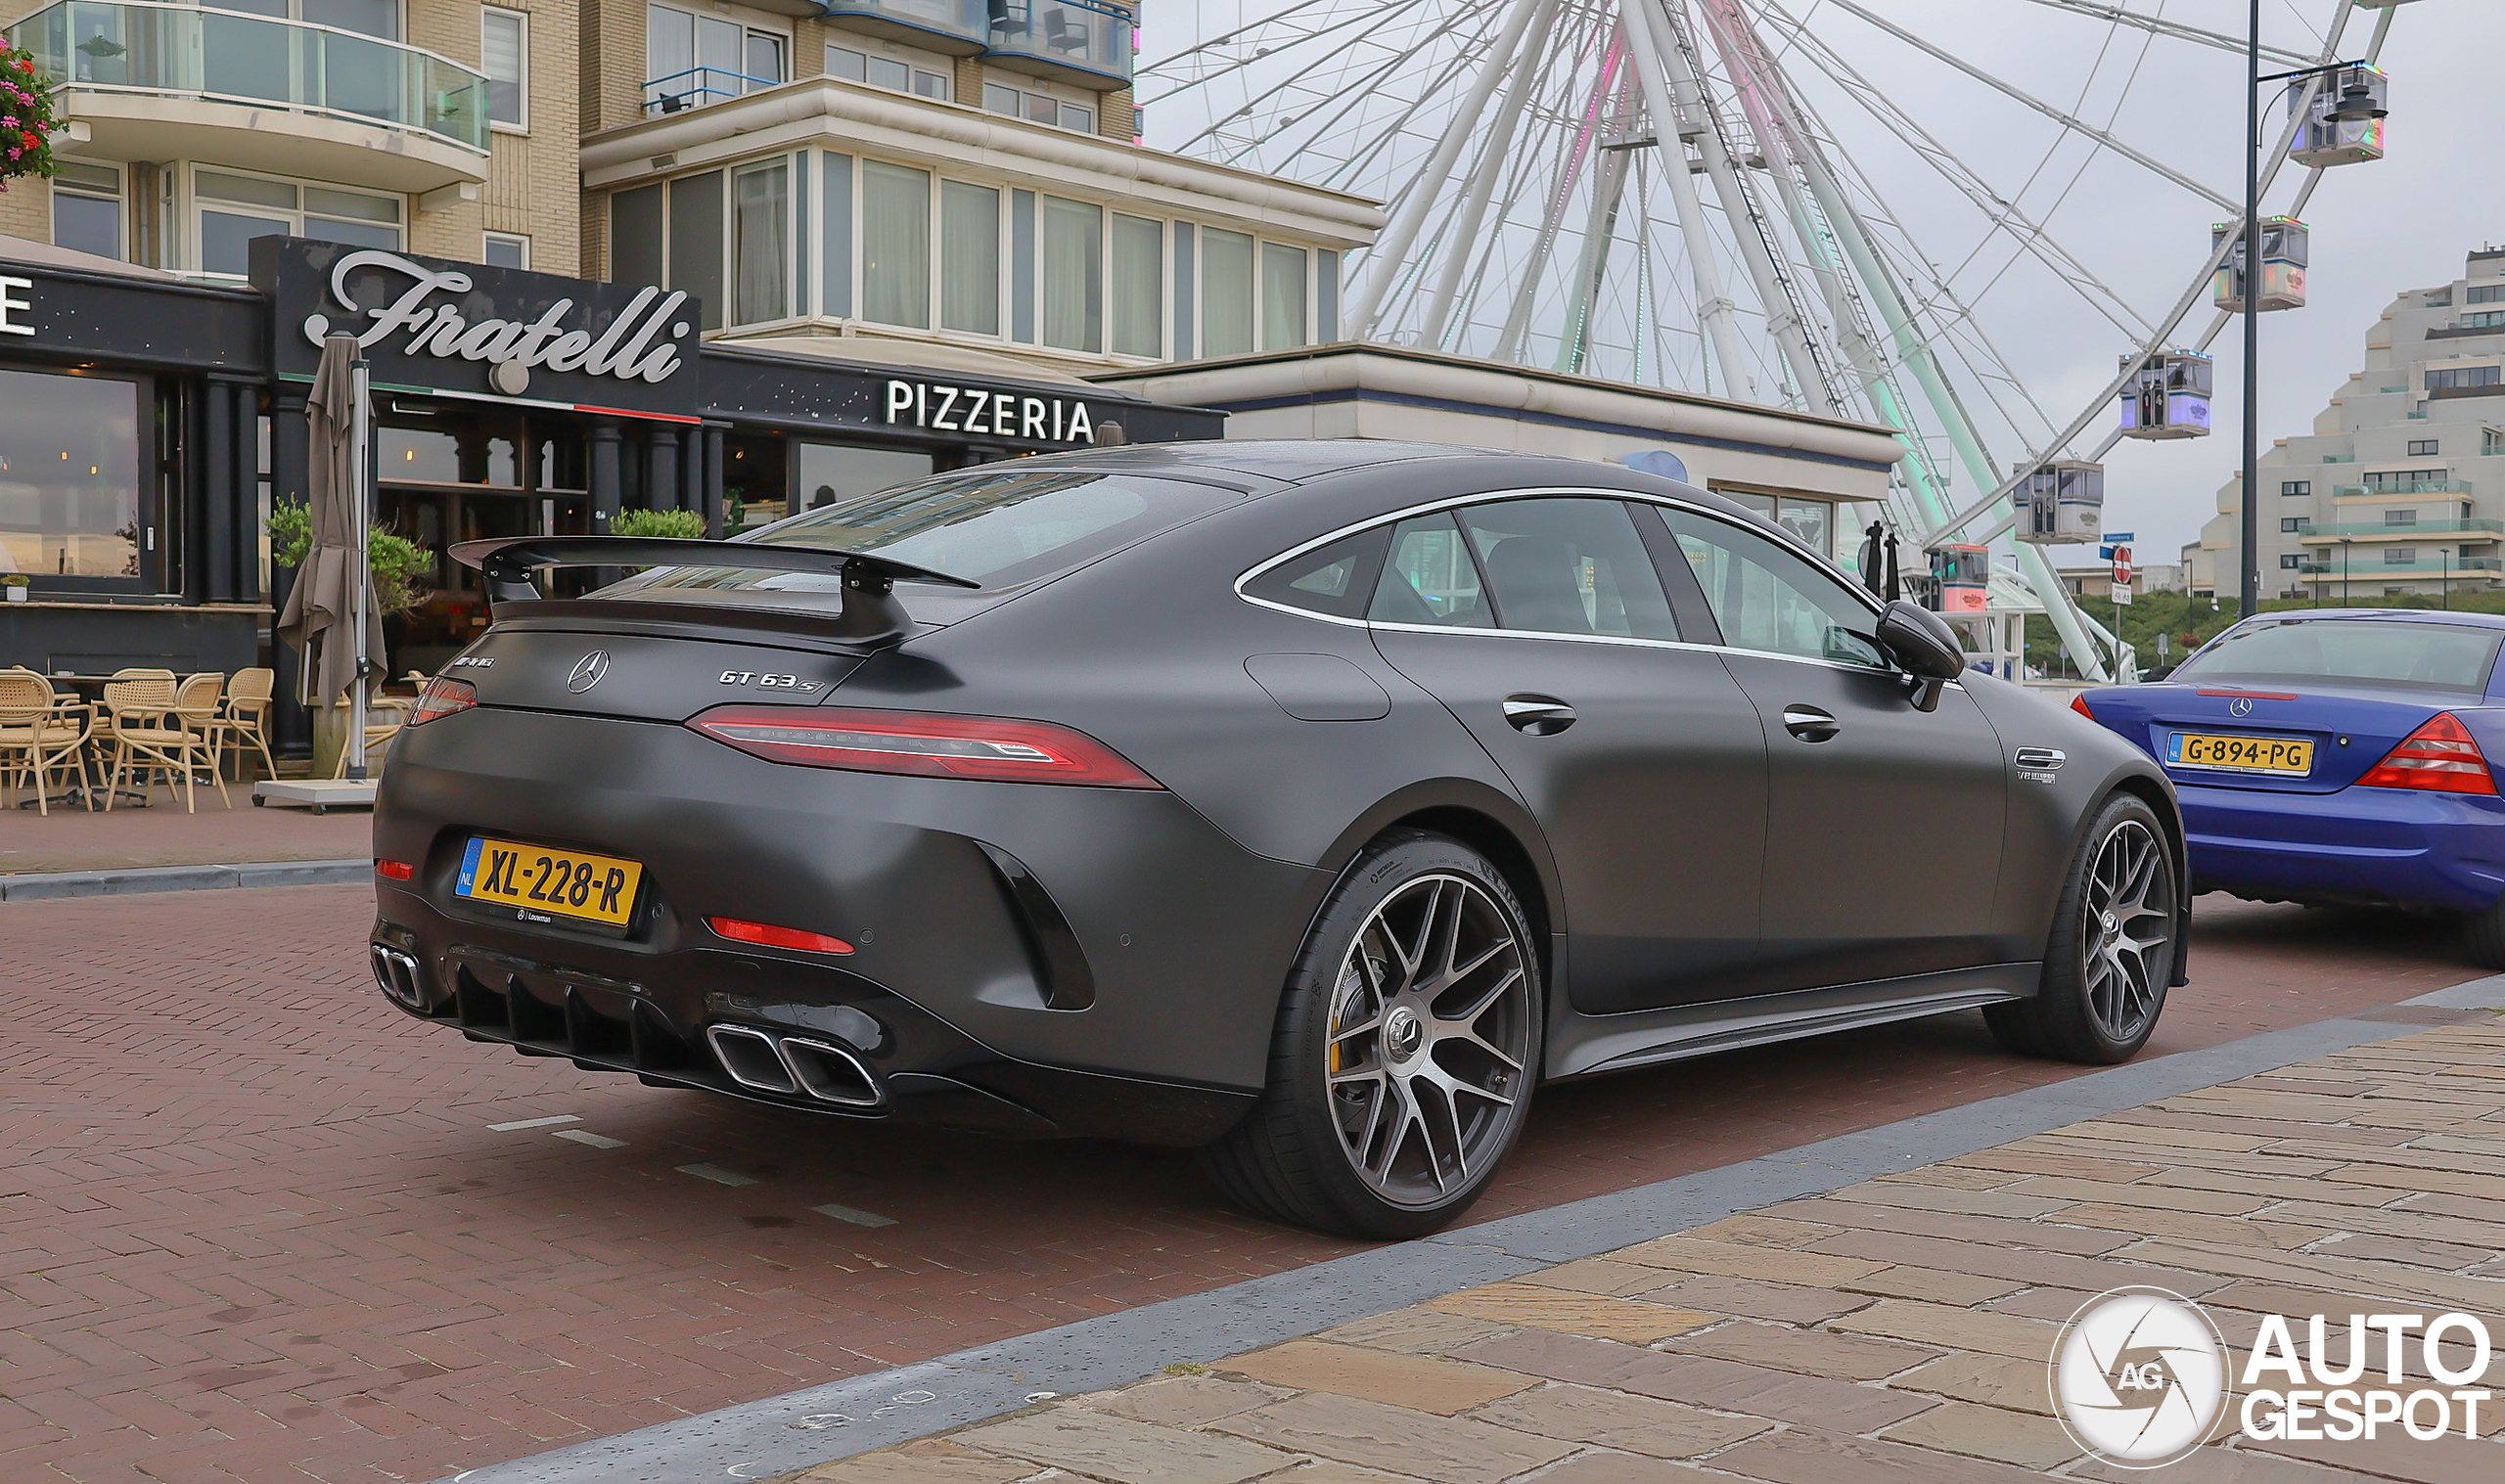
pixel 2484 934
pixel 2113 946
pixel 1405 1052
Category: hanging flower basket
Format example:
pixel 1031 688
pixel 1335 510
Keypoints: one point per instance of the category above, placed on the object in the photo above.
pixel 28 119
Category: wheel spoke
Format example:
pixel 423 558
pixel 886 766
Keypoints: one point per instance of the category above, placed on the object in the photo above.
pixel 1470 1017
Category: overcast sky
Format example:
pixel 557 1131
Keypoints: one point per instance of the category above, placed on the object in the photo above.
pixel 2376 229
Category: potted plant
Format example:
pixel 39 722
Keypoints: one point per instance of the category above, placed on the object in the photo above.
pixel 28 118
pixel 16 585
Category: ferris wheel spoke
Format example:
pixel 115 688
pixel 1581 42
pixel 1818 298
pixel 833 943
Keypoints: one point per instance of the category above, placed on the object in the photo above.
pixel 2120 15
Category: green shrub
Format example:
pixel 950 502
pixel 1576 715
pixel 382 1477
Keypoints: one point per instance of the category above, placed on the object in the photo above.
pixel 685 525
pixel 399 564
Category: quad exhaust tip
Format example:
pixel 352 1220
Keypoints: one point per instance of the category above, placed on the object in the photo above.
pixel 794 1065
pixel 397 975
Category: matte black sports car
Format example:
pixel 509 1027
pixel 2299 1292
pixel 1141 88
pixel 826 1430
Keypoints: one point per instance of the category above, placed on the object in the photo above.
pixel 1308 803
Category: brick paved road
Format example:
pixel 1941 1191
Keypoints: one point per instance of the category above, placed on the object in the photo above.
pixel 1894 1332
pixel 256 1225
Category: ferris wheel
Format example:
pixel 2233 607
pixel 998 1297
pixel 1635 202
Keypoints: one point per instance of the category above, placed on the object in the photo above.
pixel 1852 207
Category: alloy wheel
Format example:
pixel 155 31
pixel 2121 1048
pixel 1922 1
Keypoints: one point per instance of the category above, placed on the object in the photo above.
pixel 1430 1024
pixel 2127 923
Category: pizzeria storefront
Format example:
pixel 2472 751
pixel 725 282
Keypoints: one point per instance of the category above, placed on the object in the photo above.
pixel 505 403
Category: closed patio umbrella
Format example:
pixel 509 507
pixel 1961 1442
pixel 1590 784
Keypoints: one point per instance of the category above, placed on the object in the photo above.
pixel 333 594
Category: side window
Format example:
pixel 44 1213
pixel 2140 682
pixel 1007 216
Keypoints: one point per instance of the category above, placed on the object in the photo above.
pixel 1336 579
pixel 1766 598
pixel 1428 577
pixel 1569 565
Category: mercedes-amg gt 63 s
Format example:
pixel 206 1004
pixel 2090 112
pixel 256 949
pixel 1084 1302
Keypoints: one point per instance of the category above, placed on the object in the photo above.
pixel 1307 804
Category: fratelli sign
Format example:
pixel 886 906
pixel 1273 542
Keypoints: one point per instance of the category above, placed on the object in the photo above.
pixel 468 330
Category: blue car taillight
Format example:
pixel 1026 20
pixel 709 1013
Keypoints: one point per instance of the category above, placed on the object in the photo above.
pixel 2440 755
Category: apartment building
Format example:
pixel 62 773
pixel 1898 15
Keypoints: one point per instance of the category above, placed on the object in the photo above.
pixel 443 127
pixel 2400 487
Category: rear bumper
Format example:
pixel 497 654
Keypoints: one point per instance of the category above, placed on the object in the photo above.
pixel 2381 846
pixel 1028 958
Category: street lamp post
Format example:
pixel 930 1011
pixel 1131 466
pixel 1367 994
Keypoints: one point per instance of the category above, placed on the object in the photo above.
pixel 2356 104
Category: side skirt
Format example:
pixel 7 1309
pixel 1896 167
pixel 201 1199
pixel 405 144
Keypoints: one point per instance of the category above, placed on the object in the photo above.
pixel 1584 1045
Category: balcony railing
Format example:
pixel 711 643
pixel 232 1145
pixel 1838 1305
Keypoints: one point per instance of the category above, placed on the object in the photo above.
pixel 138 47
pixel 698 86
pixel 1080 36
pixel 2339 529
pixel 2412 487
pixel 2434 566
pixel 966 22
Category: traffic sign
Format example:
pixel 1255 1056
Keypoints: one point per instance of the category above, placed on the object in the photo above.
pixel 2118 537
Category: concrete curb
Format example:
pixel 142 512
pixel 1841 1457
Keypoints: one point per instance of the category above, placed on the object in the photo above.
pixel 776 1435
pixel 135 881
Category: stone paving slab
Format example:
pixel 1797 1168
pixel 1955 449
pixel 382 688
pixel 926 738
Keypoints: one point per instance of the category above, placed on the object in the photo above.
pixel 1752 1347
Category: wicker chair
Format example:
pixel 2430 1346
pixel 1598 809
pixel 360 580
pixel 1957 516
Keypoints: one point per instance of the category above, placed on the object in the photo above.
pixel 243 722
pixel 145 735
pixel 384 715
pixel 199 703
pixel 41 733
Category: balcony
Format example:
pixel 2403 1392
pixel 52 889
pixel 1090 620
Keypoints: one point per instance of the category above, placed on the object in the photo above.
pixel 2409 487
pixel 2434 570
pixel 2374 530
pixel 956 27
pixel 1085 43
pixel 159 81
pixel 698 86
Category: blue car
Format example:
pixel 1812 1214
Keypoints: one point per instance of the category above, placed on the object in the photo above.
pixel 2338 756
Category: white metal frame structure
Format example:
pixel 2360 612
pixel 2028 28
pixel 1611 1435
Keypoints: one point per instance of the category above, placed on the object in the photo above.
pixel 1541 160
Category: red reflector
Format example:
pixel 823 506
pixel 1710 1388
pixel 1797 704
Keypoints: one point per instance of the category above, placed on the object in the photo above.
pixel 776 937
pixel 2078 704
pixel 394 871
pixel 442 697
pixel 2440 756
pixel 927 745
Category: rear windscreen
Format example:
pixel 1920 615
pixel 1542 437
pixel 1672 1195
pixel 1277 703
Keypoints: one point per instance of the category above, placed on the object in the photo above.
pixel 2351 651
pixel 999 527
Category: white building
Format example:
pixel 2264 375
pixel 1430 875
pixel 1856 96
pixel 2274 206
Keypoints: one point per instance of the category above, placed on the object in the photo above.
pixel 2400 487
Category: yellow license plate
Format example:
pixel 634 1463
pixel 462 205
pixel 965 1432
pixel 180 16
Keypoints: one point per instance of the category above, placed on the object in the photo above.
pixel 2243 755
pixel 540 880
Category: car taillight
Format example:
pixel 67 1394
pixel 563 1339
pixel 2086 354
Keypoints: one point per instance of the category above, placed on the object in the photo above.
pixel 769 936
pixel 998 750
pixel 2078 704
pixel 442 697
pixel 394 871
pixel 2439 755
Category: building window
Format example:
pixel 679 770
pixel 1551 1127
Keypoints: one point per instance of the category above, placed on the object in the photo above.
pixel 70 479
pixel 895 245
pixel 233 210
pixel 2462 376
pixel 635 235
pixel 2400 517
pixel 969 258
pixel 2485 319
pixel 2422 448
pixel 830 472
pixel 2483 293
pixel 505 250
pixel 2400 556
pixel 761 243
pixel 1137 293
pixel 2403 481
pixel 691 61
pixel 505 52
pixel 2295 524
pixel 2296 487
pixel 885 73
pixel 86 208
pixel 696 232
pixel 1039 107
pixel 1070 274
pixel 1282 296
pixel 1226 293
pixel 2291 562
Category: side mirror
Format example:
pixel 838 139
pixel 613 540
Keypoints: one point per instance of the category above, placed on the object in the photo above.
pixel 1926 644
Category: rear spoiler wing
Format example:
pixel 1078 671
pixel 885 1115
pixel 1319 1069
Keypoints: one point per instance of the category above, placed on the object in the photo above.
pixel 871 613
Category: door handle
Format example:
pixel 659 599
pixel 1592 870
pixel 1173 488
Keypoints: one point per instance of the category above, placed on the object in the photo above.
pixel 1539 715
pixel 1809 724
